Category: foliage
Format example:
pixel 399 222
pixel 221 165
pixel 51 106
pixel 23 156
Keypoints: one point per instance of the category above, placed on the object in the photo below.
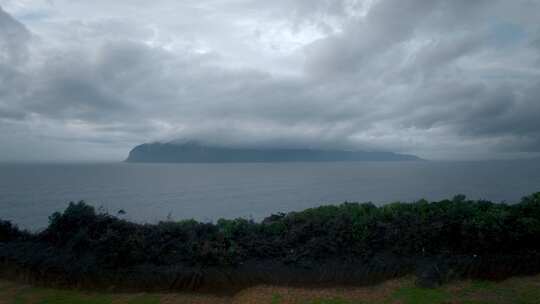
pixel 81 241
pixel 10 232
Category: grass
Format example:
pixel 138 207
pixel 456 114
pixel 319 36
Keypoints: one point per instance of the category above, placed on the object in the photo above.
pixel 420 295
pixel 524 290
pixel 330 301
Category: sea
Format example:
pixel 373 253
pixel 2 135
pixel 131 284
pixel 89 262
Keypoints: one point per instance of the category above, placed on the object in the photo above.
pixel 150 193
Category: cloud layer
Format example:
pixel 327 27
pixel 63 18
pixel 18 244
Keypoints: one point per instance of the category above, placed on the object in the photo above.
pixel 440 79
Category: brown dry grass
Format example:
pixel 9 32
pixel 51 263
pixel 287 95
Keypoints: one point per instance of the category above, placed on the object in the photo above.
pixel 288 295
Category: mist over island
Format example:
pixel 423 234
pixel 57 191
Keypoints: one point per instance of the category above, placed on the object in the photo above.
pixel 194 152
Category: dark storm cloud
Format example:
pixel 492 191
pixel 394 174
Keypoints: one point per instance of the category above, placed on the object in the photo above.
pixel 441 92
pixel 441 79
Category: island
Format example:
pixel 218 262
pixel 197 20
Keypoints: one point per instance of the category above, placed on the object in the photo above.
pixel 195 152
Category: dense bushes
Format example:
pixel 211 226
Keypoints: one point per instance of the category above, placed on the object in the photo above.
pixel 9 232
pixel 80 243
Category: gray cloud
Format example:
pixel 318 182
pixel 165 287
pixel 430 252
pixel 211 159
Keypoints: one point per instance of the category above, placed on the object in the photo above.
pixel 442 79
pixel 13 40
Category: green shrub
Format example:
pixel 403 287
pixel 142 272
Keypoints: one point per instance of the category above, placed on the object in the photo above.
pixel 9 232
pixel 80 241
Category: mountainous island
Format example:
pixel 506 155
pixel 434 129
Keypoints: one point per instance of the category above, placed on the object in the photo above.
pixel 194 152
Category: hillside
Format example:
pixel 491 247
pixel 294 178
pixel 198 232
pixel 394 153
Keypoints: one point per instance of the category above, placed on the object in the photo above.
pixel 193 152
pixel 349 244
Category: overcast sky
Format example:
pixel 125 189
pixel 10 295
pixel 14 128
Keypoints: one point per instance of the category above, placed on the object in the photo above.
pixel 442 79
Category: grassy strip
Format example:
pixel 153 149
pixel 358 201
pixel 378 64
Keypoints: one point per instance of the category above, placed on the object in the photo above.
pixel 524 290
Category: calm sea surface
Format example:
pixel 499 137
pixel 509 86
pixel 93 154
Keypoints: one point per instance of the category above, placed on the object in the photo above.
pixel 29 193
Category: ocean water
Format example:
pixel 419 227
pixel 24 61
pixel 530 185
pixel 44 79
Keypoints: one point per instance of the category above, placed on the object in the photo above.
pixel 29 193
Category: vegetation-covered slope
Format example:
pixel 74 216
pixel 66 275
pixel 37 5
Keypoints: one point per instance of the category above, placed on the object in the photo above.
pixel 193 152
pixel 346 244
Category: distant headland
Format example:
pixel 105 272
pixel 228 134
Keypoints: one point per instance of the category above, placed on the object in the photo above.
pixel 194 152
